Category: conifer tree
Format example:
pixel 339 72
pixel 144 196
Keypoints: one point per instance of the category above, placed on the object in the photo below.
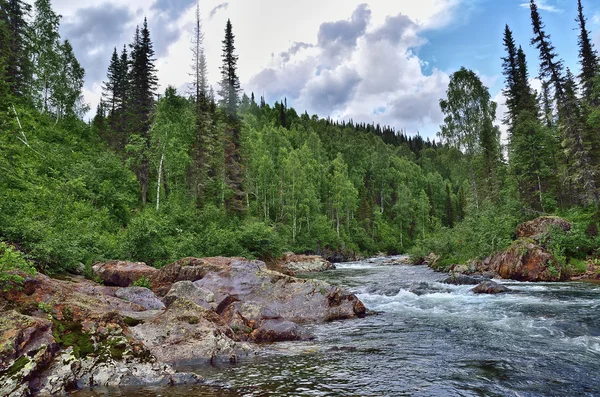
pixel 229 92
pixel 143 83
pixel 109 87
pixel 588 57
pixel 16 49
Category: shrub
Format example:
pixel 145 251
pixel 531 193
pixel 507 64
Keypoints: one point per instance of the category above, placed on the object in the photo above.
pixel 13 265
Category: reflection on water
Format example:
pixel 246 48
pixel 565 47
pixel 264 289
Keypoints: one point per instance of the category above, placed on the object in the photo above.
pixel 430 339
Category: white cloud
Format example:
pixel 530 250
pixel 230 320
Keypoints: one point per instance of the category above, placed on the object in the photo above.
pixel 543 5
pixel 376 68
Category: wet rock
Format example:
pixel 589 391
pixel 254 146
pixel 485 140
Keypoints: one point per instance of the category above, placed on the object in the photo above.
pixel 121 273
pixel 141 296
pixel 524 260
pixel 463 279
pixel 540 227
pixel 279 331
pixel 489 287
pixel 189 291
pixel 296 264
pixel 188 332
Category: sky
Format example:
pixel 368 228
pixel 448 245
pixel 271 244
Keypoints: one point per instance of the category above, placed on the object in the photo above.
pixel 381 61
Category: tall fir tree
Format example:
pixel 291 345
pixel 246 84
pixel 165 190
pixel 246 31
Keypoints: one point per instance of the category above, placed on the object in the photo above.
pixel 230 97
pixel 588 57
pixel 143 83
pixel 109 87
pixel 18 66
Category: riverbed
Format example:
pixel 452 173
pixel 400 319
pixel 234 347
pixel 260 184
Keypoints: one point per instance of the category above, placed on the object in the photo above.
pixel 427 339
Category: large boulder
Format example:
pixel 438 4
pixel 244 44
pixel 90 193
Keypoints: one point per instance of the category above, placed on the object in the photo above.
pixel 296 264
pixel 524 260
pixel 122 273
pixel 283 296
pixel 540 227
pixel 187 332
pixel 489 287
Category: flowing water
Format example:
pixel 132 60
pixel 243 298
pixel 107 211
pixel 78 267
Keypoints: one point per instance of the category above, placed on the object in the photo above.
pixel 428 339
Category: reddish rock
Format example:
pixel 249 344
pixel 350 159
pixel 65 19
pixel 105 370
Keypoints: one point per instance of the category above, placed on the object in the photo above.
pixel 540 227
pixel 279 331
pixel 526 261
pixel 122 273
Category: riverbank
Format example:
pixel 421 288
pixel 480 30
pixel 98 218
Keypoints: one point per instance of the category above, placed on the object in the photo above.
pixel 61 335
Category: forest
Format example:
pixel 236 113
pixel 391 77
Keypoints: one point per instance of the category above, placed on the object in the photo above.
pixel 155 177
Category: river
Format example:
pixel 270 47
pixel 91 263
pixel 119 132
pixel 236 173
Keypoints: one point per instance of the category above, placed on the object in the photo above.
pixel 428 339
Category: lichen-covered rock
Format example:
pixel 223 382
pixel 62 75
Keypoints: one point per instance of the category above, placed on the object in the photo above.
pixel 188 332
pixel 297 264
pixel 188 290
pixel 122 273
pixel 141 296
pixel 489 287
pixel 540 227
pixel 524 260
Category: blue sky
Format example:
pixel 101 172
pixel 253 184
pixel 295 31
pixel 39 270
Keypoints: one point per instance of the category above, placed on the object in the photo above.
pixel 379 61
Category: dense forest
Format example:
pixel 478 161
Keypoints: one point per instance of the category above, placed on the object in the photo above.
pixel 156 177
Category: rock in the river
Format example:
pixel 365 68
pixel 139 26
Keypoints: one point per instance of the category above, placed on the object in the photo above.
pixel 463 279
pixel 121 273
pixel 540 227
pixel 141 296
pixel 279 331
pixel 524 260
pixel 296 264
pixel 489 287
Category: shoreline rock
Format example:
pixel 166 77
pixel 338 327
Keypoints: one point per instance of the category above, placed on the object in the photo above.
pixel 59 335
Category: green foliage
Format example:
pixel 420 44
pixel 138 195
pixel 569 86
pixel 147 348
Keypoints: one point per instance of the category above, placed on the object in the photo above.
pixel 142 282
pixel 13 265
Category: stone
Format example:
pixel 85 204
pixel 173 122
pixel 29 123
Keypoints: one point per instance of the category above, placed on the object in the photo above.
pixel 122 273
pixel 524 260
pixel 188 290
pixel 463 279
pixel 279 331
pixel 141 296
pixel 187 332
pixel 489 287
pixel 297 264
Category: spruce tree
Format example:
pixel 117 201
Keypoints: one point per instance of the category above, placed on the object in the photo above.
pixel 229 92
pixel 143 83
pixel 18 65
pixel 550 67
pixel 510 71
pixel 588 57
pixel 109 86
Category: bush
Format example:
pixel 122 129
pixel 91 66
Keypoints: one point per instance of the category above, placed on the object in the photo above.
pixel 13 265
